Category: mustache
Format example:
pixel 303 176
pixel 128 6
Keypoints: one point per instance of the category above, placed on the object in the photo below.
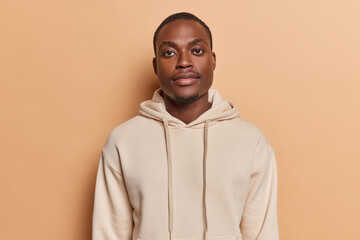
pixel 184 75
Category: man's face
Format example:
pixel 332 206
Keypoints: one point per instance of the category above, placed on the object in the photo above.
pixel 184 61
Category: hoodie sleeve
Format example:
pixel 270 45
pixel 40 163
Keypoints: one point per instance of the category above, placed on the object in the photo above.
pixel 112 214
pixel 259 220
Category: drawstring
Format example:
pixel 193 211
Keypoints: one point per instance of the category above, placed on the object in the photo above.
pixel 204 178
pixel 170 184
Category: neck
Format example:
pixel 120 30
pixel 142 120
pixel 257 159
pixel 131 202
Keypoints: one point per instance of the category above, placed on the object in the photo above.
pixel 187 112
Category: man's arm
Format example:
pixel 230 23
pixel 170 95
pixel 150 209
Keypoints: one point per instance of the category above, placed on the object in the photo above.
pixel 112 215
pixel 259 220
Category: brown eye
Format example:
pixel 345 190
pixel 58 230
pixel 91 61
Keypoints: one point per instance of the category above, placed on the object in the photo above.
pixel 198 51
pixel 169 53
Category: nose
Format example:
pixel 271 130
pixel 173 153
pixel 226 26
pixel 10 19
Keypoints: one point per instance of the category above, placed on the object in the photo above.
pixel 184 61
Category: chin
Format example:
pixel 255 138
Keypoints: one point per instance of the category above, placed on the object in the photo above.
pixel 187 99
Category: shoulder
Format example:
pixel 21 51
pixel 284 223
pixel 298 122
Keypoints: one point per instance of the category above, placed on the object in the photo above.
pixel 246 127
pixel 253 138
pixel 131 131
pixel 242 129
pixel 132 128
pixel 125 133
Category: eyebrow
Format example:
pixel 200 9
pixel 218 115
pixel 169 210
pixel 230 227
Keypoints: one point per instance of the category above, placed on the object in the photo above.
pixel 173 44
pixel 196 41
pixel 167 43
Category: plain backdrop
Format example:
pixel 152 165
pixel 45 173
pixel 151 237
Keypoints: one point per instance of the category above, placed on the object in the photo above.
pixel 73 70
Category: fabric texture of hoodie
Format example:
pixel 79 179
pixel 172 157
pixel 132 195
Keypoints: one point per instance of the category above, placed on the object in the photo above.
pixel 159 178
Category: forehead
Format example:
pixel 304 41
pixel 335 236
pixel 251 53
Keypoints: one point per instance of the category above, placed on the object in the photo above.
pixel 182 30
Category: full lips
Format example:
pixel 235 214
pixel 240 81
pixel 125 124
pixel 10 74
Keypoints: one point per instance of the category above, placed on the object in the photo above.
pixel 185 79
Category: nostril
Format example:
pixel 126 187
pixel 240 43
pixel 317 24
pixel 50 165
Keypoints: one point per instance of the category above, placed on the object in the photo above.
pixel 184 64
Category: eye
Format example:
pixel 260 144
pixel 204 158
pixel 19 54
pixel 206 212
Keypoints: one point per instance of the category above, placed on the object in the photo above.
pixel 169 53
pixel 198 51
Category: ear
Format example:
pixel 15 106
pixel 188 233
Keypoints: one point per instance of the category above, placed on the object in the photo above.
pixel 154 65
pixel 213 55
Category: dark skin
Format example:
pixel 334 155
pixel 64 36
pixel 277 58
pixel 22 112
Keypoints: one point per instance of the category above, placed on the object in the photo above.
pixel 184 64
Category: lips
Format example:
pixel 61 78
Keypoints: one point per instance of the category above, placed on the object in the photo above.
pixel 185 78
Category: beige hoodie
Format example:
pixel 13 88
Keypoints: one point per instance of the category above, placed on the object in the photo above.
pixel 159 178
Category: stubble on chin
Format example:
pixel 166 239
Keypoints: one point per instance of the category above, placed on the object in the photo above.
pixel 183 100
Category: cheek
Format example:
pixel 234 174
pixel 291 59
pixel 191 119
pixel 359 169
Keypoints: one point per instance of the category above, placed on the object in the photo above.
pixel 208 68
pixel 164 73
pixel 165 66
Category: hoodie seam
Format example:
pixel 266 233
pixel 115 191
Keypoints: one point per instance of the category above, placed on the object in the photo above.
pixel 109 165
pixel 266 162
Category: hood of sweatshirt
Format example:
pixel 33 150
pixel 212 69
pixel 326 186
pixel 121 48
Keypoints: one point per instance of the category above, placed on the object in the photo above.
pixel 220 110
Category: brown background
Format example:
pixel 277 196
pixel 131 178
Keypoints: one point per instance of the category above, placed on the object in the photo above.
pixel 73 70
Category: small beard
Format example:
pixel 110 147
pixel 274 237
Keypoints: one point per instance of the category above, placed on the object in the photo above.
pixel 183 100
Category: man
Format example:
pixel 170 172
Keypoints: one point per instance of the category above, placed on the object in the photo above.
pixel 187 167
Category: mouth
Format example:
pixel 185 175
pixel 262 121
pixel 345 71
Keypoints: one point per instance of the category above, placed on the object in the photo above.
pixel 185 78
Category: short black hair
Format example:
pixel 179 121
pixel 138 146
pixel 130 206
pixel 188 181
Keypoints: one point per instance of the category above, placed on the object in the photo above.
pixel 180 16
